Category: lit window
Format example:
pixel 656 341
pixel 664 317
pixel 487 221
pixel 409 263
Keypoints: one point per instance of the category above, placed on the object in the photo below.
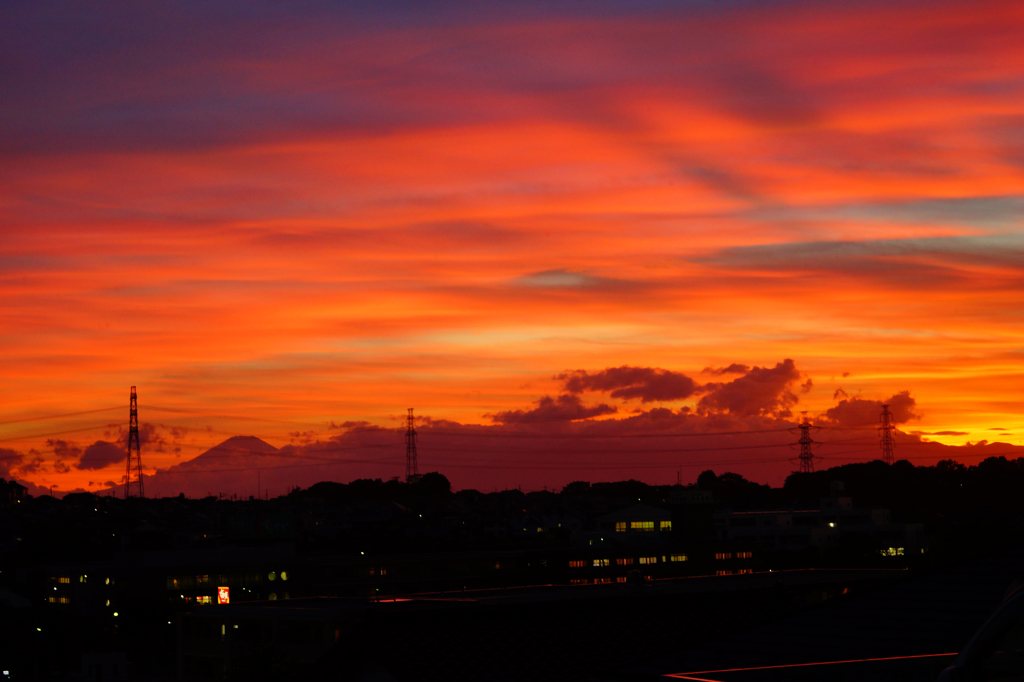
pixel 677 557
pixel 721 556
pixel 745 570
pixel 648 560
pixel 577 564
pixel 744 555
pixel 620 526
pixel 641 525
pixel 602 581
pixel 665 525
pixel 725 572
pixel 620 579
pixel 602 562
pixel 624 562
pixel 892 551
pixel 578 581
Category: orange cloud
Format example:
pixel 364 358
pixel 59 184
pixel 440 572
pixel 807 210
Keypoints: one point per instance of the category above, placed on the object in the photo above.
pixel 279 224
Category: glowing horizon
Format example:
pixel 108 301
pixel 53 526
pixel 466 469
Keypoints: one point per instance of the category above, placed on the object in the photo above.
pixel 293 216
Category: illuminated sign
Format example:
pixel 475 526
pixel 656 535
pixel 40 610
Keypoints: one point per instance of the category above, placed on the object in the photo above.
pixel 223 595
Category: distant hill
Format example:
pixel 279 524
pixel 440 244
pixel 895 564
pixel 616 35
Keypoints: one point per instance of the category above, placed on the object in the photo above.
pixel 248 466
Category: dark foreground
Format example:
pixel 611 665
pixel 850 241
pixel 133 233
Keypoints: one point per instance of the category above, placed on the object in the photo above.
pixel 798 625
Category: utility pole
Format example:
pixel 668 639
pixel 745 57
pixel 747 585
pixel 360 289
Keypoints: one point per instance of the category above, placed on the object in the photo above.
pixel 885 435
pixel 134 453
pixel 412 467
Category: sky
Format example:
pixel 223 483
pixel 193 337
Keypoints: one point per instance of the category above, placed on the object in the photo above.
pixel 530 221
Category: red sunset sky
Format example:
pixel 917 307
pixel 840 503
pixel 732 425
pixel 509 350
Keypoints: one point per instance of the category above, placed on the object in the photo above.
pixel 294 221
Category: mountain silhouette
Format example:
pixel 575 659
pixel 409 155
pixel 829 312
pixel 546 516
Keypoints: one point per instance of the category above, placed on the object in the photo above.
pixel 237 451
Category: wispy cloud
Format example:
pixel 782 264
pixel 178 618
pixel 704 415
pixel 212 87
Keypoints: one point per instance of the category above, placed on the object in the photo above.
pixel 317 213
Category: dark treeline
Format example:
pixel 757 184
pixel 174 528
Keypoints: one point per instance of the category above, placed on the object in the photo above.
pixel 946 487
pixel 963 506
pixel 911 492
pixel 429 485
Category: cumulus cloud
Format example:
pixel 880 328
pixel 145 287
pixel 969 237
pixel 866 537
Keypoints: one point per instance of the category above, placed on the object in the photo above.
pixel 649 384
pixel 152 437
pixel 859 412
pixel 734 368
pixel 34 465
pixel 63 449
pixel 303 437
pixel 564 408
pixel 100 455
pixel 355 426
pixel 9 460
pixel 762 391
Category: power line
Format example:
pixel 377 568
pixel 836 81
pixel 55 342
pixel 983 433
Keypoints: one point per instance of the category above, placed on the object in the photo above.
pixel 177 472
pixel 60 416
pixel 59 433
pixel 212 415
pixel 503 435
pixel 431 448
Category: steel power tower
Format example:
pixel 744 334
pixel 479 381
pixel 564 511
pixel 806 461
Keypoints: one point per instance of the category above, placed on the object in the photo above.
pixel 134 453
pixel 806 445
pixel 885 435
pixel 412 467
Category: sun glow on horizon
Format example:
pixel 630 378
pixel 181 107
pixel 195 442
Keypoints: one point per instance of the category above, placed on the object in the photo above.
pixel 361 215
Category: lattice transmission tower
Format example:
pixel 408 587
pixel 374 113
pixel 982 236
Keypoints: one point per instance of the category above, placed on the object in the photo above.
pixel 412 467
pixel 133 488
pixel 806 445
pixel 885 435
pixel 806 448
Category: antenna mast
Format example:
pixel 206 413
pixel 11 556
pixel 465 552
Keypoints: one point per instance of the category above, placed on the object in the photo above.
pixel 412 467
pixel 134 454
